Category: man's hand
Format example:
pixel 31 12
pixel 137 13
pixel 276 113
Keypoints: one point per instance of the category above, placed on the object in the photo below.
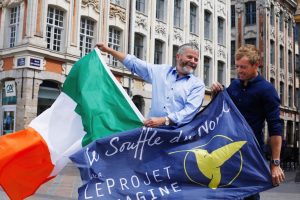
pixel 117 54
pixel 155 121
pixel 216 87
pixel 277 175
pixel 103 47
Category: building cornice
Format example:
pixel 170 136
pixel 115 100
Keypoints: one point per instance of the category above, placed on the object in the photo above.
pixel 292 3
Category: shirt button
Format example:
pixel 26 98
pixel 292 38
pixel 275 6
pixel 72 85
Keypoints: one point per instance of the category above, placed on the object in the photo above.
pixel 171 88
pixel 167 97
pixel 164 107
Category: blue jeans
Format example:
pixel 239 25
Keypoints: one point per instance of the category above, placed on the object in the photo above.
pixel 253 197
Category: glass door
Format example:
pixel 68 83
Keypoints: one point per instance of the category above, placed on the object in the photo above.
pixel 8 119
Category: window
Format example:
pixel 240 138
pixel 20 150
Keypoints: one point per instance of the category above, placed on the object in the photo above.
pixel 272 15
pixel 158 53
pixel 290 62
pixel 250 41
pixel 250 13
pixel 281 57
pixel 221 72
pixel 289 133
pixel 290 96
pixel 207 25
pixel 297 62
pixel 138 45
pixel 14 25
pixel 160 6
pixel 118 2
pixel 221 31
pixel 115 43
pixel 281 22
pixel 232 16
pixel 175 50
pixel 272 80
pixel 86 36
pixel 233 54
pixel 54 29
pixel 206 70
pixel 193 18
pixel 272 52
pixel 290 28
pixel 140 6
pixel 297 31
pixel 281 92
pixel 177 13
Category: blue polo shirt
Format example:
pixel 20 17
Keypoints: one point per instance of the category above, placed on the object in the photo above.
pixel 258 102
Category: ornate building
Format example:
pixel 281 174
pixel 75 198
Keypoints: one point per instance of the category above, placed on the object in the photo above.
pixel 269 24
pixel 41 39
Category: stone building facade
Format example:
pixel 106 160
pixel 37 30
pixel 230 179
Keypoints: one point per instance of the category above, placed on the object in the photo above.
pixel 40 40
pixel 269 24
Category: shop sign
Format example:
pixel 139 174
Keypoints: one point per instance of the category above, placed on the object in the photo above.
pixel 20 62
pixel 35 62
pixel 10 88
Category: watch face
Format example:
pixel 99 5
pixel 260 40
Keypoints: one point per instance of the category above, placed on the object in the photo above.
pixel 276 162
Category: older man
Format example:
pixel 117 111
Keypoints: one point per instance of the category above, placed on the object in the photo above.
pixel 176 93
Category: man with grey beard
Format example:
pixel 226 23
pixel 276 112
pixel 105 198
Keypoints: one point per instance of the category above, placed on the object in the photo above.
pixel 176 93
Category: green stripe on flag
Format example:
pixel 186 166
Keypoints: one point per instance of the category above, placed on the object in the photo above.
pixel 103 107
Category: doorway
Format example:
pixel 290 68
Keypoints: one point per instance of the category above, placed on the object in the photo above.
pixel 8 115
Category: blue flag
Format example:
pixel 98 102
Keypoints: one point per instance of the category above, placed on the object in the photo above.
pixel 216 156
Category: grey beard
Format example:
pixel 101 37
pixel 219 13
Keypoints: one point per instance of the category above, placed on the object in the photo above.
pixel 186 71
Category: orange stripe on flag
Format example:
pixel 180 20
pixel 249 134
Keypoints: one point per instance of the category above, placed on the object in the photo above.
pixel 25 163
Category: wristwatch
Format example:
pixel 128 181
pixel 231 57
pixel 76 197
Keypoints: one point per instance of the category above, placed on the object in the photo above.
pixel 167 122
pixel 275 162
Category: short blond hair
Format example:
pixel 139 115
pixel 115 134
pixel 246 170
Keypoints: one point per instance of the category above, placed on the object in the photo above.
pixel 249 51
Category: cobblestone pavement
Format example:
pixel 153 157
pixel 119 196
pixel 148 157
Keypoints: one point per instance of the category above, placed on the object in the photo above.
pixel 64 187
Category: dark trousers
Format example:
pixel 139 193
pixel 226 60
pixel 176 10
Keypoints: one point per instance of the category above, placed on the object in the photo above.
pixel 253 197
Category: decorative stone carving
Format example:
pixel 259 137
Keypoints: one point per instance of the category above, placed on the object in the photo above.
pixel 287 16
pixel 195 42
pixel 44 63
pixel 208 4
pixel 263 4
pixel 273 32
pixel 117 11
pixel 11 3
pixel 160 29
pixel 277 9
pixel 178 35
pixel 290 44
pixel 208 49
pixel 221 52
pixel 281 74
pixel 94 3
pixel 64 68
pixel 239 7
pixel 1 65
pixel 221 9
pixel 272 71
pixel 281 38
pixel 250 33
pixel 141 21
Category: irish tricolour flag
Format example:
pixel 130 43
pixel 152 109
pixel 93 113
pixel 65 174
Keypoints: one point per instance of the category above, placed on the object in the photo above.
pixel 92 105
